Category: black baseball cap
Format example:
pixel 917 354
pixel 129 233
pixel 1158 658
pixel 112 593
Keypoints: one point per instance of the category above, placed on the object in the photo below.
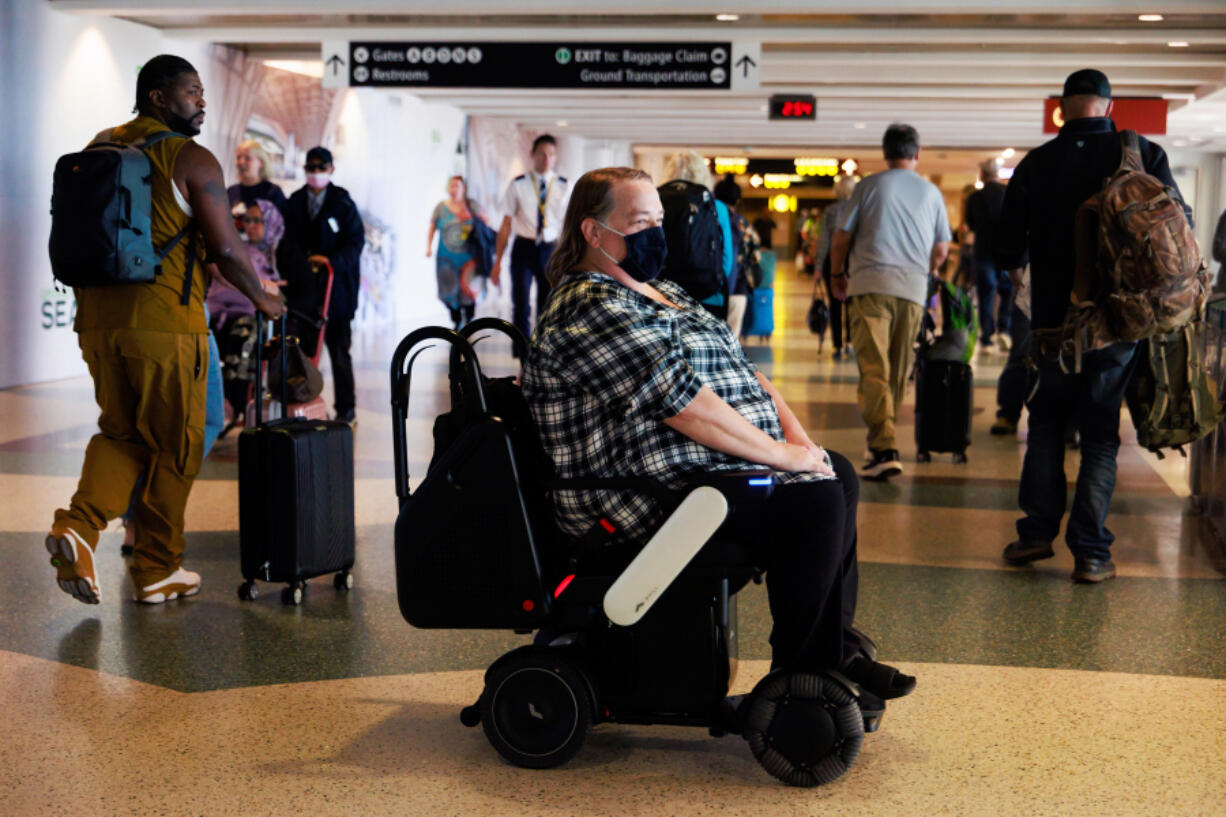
pixel 1087 81
pixel 319 154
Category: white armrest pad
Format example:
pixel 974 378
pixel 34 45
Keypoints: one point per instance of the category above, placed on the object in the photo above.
pixel 665 555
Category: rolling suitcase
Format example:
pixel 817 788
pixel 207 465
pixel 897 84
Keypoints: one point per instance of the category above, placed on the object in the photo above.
pixel 760 314
pixel 295 501
pixel 944 395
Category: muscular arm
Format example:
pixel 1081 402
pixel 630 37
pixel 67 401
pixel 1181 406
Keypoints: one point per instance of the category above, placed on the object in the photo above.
pixel 708 420
pixel 504 233
pixel 199 176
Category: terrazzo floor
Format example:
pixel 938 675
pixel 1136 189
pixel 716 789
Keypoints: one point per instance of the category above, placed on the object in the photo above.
pixel 1036 696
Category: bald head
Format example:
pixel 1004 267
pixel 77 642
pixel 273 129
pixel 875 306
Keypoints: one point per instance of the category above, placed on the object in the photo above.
pixel 1084 106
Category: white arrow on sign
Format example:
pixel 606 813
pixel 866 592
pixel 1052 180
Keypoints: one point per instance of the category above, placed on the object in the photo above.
pixel 746 66
pixel 335 56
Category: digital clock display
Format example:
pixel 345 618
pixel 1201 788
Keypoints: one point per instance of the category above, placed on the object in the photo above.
pixel 792 106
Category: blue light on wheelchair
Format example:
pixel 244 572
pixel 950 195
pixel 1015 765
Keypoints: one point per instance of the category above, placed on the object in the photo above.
pixel 762 481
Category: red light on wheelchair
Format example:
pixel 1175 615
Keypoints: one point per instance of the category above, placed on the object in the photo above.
pixel 529 605
pixel 562 585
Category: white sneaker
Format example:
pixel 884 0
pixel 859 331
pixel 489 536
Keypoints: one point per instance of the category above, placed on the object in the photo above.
pixel 1003 342
pixel 181 583
pixel 73 560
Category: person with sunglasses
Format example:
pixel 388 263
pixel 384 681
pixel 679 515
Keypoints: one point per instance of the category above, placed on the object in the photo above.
pixel 322 224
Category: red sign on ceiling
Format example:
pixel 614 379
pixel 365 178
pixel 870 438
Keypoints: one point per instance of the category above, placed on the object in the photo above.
pixel 1142 114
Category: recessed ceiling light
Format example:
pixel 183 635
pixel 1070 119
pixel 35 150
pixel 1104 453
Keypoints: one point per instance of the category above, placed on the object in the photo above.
pixel 1179 143
pixel 562 123
pixel 1008 153
pixel 1177 44
pixel 861 126
pixel 727 18
pixel 1150 18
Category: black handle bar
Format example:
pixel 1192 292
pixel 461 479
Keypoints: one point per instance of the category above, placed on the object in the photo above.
pixel 518 341
pixel 400 381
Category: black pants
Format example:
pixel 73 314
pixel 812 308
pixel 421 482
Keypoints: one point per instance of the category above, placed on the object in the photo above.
pixel 528 262
pixel 836 310
pixel 338 337
pixel 805 537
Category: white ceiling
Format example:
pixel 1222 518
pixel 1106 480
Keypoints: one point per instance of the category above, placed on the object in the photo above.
pixel 966 74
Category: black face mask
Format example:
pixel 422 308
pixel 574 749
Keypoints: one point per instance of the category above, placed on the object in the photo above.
pixel 178 124
pixel 645 253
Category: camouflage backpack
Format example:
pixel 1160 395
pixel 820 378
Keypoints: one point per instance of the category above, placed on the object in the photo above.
pixel 1139 272
pixel 1171 397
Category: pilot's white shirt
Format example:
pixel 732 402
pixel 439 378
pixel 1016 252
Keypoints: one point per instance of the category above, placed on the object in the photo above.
pixel 523 199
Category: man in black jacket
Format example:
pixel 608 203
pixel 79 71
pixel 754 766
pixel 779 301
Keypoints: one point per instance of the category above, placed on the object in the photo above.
pixel 983 209
pixel 322 223
pixel 1040 205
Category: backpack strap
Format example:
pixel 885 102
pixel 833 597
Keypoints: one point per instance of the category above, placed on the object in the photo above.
pixel 186 297
pixel 1130 156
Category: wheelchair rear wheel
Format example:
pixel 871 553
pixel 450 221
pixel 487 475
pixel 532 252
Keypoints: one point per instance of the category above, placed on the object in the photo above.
pixel 536 709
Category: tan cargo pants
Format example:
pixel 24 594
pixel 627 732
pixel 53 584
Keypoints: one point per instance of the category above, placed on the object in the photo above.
pixel 883 332
pixel 151 389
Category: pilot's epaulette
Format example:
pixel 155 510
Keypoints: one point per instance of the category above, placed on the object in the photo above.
pixel 520 176
pixel 562 179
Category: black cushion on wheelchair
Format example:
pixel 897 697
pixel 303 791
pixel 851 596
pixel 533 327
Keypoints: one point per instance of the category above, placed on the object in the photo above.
pixel 804 728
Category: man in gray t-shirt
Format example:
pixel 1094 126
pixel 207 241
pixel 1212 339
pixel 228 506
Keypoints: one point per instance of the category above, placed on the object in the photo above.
pixel 897 232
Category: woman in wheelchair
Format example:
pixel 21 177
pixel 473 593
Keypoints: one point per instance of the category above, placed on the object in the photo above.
pixel 627 374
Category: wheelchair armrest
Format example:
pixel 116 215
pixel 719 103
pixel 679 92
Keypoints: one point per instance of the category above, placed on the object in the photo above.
pixel 646 485
pixel 665 555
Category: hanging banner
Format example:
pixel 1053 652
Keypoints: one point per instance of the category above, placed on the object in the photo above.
pixel 1145 115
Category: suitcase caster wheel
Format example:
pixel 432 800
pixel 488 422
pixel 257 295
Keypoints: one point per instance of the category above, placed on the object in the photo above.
pixel 125 550
pixel 292 596
pixel 342 581
pixel 247 591
pixel 959 458
pixel 923 456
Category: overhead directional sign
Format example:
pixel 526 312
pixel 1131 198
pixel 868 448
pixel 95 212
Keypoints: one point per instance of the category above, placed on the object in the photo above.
pixel 596 65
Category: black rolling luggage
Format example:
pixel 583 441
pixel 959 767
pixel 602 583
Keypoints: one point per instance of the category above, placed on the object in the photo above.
pixel 295 500
pixel 944 392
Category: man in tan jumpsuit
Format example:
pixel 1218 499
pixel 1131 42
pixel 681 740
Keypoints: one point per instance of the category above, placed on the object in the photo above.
pixel 148 354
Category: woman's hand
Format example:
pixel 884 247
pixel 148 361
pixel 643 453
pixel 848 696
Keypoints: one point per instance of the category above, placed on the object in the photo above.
pixel 802 458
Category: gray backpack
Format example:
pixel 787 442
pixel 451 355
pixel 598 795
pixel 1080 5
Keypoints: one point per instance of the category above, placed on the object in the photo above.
pixel 101 218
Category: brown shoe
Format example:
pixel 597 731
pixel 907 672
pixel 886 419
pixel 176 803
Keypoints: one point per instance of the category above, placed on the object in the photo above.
pixel 180 584
pixel 73 560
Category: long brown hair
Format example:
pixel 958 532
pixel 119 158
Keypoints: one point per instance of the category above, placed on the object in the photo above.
pixel 592 197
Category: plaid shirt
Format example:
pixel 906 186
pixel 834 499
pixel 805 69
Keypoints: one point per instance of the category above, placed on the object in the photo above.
pixel 607 366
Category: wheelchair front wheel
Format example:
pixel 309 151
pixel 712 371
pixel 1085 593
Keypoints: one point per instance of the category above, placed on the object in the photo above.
pixel 536 709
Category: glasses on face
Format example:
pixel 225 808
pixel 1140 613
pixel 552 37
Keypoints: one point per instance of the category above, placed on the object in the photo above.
pixel 314 168
pixel 253 221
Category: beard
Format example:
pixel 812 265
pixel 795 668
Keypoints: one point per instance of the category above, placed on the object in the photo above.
pixel 182 125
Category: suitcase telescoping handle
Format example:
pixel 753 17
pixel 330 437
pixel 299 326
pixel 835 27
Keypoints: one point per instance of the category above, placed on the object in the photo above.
pixel 259 368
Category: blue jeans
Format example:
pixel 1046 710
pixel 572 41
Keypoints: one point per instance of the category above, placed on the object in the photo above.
pixel 1015 379
pixel 214 400
pixel 990 279
pixel 1091 398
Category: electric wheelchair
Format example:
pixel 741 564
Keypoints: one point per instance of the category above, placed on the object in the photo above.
pixel 620 636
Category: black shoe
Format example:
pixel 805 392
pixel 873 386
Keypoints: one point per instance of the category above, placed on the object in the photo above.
pixel 1003 426
pixel 882 465
pixel 1022 552
pixel 838 354
pixel 1088 570
pixel 350 417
